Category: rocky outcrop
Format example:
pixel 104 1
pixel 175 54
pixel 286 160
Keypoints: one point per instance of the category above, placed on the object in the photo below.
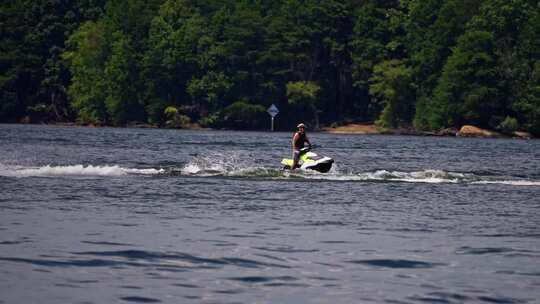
pixel 465 131
pixel 140 125
pixel 448 132
pixel 522 135
pixel 472 131
pixel 355 129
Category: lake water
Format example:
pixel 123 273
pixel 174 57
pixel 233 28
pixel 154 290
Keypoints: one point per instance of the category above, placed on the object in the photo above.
pixel 166 216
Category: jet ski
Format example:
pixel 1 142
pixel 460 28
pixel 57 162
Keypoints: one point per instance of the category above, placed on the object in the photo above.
pixel 309 161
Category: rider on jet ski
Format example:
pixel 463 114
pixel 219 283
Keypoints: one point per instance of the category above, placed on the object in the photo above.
pixel 298 142
pixel 303 158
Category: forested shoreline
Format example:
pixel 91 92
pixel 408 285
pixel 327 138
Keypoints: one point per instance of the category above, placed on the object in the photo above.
pixel 422 65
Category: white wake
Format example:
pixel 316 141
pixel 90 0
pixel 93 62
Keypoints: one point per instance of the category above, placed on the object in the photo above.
pixel 75 170
pixel 225 164
pixel 235 165
pixel 429 176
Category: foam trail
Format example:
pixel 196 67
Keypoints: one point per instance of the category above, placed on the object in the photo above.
pixel 190 169
pixel 238 165
pixel 76 170
pixel 230 164
pixel 426 176
pixel 509 182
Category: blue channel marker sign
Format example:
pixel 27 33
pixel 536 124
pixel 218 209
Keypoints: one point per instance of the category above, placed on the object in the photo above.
pixel 272 110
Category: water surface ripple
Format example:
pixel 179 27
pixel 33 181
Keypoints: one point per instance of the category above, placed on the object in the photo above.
pixel 173 216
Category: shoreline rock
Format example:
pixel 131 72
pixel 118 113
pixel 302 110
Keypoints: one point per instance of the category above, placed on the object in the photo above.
pixel 522 135
pixel 472 131
pixel 448 132
pixel 355 128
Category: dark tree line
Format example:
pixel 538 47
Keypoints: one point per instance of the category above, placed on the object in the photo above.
pixel 423 64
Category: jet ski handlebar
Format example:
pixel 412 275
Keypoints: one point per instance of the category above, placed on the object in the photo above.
pixel 307 149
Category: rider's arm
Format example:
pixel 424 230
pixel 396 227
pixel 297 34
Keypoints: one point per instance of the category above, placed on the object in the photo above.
pixel 307 140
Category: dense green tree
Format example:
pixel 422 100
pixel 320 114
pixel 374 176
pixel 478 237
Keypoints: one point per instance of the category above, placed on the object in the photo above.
pixel 391 83
pixel 528 104
pixel 309 40
pixel 373 41
pixel 430 64
pixel 514 26
pixel 33 76
pixel 14 71
pixel 242 115
pixel 303 95
pixel 177 34
pixel 242 37
pixel 228 62
pixel 122 101
pixel 467 90
pixel 86 58
pixel 488 70
pixel 107 55
pixel 526 87
pixel 432 29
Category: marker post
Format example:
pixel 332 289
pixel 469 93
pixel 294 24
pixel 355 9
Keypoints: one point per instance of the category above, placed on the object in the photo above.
pixel 273 111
